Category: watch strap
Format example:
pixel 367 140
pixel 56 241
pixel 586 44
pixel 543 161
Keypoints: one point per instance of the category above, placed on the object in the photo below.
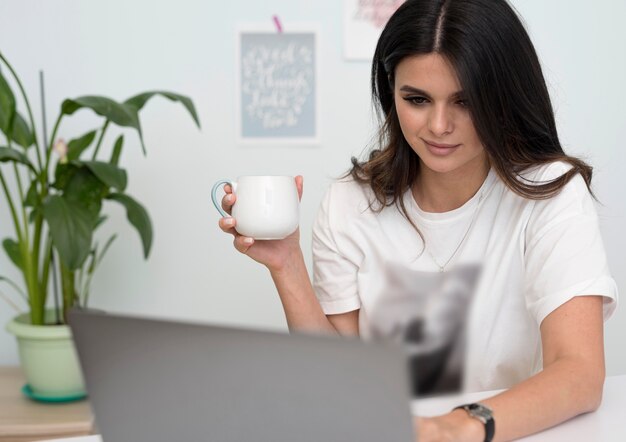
pixel 484 414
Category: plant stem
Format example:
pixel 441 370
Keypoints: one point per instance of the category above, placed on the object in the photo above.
pixel 19 185
pixel 86 290
pixel 45 267
pixel 23 197
pixel 15 287
pixel 39 218
pixel 104 129
pixel 30 113
pixel 30 274
pixel 48 257
pixel 20 190
pixel 37 243
pixel 26 237
pixel 69 292
pixel 79 284
pixel 11 303
pixel 32 285
pixel 49 152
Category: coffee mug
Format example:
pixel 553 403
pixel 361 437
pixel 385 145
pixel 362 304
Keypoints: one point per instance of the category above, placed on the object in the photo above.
pixel 267 207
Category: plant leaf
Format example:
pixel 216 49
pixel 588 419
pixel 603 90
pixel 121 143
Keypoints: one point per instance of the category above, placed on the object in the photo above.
pixel 21 133
pixel 13 252
pixel 71 229
pixel 76 147
pixel 8 154
pixel 63 174
pixel 84 189
pixel 7 105
pixel 12 124
pixel 138 101
pixel 101 219
pixel 138 217
pixel 122 114
pixel 117 150
pixel 32 196
pixel 33 214
pixel 103 252
pixel 91 266
pixel 109 174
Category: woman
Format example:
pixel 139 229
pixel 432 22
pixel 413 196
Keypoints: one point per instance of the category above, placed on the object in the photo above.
pixel 469 234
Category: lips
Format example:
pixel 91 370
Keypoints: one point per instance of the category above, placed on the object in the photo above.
pixel 440 149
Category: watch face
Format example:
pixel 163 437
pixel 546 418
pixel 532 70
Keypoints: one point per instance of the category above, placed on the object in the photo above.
pixel 480 411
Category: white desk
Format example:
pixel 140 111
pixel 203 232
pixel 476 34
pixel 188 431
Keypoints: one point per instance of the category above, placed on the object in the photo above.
pixel 607 424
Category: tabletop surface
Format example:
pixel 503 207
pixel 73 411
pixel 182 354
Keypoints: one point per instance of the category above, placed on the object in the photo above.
pixel 607 424
pixel 22 418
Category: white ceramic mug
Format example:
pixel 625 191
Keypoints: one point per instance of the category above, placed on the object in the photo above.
pixel 267 207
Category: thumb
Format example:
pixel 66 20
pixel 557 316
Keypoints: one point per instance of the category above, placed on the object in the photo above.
pixel 300 185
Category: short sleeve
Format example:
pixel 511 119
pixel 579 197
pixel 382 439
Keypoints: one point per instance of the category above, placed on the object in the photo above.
pixel 334 273
pixel 564 254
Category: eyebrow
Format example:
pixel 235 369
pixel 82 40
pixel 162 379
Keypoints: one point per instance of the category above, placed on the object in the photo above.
pixel 414 90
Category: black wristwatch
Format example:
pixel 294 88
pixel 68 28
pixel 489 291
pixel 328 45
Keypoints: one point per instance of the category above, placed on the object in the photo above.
pixel 483 414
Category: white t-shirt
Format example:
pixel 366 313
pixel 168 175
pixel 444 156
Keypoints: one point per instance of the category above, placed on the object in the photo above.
pixel 476 325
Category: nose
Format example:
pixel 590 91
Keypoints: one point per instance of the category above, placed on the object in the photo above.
pixel 440 121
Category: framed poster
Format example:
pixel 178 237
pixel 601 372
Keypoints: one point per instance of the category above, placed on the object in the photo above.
pixel 277 86
pixel 364 20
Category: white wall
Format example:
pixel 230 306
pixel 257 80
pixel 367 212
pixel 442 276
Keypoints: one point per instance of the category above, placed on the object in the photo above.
pixel 117 48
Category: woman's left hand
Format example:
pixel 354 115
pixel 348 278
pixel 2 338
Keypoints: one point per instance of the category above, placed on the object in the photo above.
pixel 455 426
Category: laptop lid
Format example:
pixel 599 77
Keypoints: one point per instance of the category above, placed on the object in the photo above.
pixel 152 380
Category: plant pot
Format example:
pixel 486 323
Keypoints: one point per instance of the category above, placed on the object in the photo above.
pixel 48 358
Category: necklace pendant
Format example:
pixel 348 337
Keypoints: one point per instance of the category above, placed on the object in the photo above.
pixel 441 269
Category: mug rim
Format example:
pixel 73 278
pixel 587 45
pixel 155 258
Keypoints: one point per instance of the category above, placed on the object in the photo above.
pixel 265 176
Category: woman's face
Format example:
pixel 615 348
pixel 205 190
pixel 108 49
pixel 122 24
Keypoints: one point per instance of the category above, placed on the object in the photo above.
pixel 434 116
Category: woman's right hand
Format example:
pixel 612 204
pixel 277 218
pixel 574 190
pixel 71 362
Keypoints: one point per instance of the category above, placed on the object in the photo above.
pixel 274 254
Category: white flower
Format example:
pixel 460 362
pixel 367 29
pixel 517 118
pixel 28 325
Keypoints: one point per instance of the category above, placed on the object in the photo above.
pixel 60 147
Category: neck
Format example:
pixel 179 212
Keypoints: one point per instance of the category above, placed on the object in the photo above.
pixel 442 192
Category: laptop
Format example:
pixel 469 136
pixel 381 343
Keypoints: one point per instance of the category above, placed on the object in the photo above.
pixel 152 380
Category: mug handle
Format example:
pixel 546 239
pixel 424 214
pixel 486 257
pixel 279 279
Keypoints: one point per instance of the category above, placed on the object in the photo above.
pixel 216 187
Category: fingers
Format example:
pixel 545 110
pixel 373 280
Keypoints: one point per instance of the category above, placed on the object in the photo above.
pixel 300 185
pixel 243 243
pixel 228 200
pixel 228 225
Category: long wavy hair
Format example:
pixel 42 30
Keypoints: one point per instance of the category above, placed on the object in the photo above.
pixel 501 77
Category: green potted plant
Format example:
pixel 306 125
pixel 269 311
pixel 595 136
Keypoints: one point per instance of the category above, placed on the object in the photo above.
pixel 56 205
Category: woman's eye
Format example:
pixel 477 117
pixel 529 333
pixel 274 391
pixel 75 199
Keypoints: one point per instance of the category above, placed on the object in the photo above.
pixel 416 100
pixel 463 103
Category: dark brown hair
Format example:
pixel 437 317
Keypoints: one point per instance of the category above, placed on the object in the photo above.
pixel 500 74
